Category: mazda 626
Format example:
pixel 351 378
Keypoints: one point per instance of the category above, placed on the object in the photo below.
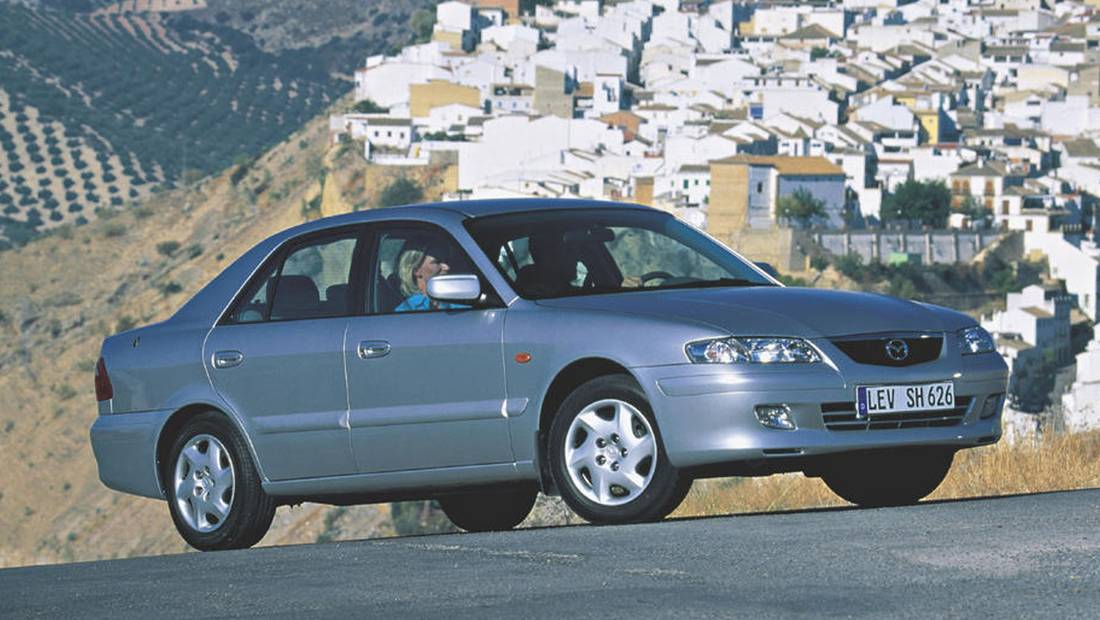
pixel 478 353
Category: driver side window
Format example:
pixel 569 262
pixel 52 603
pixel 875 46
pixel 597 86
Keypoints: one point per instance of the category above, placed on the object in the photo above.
pixel 406 258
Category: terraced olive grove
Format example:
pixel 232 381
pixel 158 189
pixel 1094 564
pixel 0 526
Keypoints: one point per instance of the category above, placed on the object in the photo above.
pixel 101 105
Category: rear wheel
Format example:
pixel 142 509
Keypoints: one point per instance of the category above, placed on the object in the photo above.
pixel 489 511
pixel 607 458
pixel 214 491
pixel 894 478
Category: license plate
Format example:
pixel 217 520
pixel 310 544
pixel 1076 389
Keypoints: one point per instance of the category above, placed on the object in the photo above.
pixel 872 400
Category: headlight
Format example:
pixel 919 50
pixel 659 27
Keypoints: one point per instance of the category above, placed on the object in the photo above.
pixel 974 340
pixel 752 351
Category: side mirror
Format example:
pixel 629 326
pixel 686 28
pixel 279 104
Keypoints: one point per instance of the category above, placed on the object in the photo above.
pixel 460 289
pixel 768 269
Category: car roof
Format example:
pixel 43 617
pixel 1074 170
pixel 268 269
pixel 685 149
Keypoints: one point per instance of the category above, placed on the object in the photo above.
pixel 498 206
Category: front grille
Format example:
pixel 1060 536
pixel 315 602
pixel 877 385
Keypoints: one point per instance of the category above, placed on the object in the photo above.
pixel 872 349
pixel 842 417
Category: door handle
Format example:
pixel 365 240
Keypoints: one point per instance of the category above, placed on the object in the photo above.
pixel 373 348
pixel 228 359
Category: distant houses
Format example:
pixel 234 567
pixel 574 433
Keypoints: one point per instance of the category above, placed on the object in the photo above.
pixel 717 111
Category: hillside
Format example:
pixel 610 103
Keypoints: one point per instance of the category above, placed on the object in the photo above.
pixel 276 24
pixel 69 289
pixel 98 109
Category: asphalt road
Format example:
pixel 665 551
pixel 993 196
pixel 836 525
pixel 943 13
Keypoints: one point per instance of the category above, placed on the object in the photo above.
pixel 1024 556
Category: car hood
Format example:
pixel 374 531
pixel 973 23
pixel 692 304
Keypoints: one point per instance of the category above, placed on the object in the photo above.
pixel 776 311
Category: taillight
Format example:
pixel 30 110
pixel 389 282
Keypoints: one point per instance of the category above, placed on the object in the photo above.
pixel 103 389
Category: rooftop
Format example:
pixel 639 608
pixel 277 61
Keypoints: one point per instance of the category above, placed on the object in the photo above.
pixel 1038 313
pixel 787 166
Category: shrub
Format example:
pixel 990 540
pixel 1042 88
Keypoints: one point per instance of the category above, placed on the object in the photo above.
pixel 194 250
pixel 65 391
pixel 400 192
pixel 170 288
pixel 423 517
pixel 367 106
pixel 851 266
pixel 168 248
pixel 114 229
pixel 125 323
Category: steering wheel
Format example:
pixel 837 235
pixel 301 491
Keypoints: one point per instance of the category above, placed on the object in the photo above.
pixel 654 275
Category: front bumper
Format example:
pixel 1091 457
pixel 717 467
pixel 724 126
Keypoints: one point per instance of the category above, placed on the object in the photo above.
pixel 125 448
pixel 705 414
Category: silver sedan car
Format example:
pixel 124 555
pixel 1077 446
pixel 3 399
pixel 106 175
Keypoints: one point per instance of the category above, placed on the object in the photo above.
pixel 480 352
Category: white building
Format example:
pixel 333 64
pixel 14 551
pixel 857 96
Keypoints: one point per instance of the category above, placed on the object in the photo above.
pixel 1073 259
pixel 1081 405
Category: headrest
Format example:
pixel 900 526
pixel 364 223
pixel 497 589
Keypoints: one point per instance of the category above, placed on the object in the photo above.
pixel 295 295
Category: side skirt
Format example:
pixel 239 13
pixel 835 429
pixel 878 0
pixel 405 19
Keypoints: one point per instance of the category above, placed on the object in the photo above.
pixel 401 485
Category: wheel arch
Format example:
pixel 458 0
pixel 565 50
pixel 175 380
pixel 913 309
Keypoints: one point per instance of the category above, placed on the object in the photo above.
pixel 171 427
pixel 565 381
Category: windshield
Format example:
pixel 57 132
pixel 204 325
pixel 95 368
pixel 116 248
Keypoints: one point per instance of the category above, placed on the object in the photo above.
pixel 548 254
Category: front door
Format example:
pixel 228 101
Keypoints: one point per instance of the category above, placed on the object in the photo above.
pixel 425 380
pixel 278 358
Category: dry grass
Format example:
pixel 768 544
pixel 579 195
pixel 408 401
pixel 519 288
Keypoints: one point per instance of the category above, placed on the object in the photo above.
pixel 1051 463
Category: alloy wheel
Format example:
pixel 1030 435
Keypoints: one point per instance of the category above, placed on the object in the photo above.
pixel 204 483
pixel 610 452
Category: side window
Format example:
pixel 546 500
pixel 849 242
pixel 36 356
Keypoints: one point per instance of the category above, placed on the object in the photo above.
pixel 513 257
pixel 253 307
pixel 406 258
pixel 314 280
pixel 311 281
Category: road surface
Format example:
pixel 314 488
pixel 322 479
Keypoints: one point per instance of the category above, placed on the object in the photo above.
pixel 1022 556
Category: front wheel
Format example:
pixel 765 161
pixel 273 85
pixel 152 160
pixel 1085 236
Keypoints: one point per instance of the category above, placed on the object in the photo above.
pixel 894 478
pixel 214 492
pixel 607 458
pixel 489 511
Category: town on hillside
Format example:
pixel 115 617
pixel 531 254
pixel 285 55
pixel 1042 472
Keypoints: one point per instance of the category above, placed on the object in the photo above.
pixel 929 132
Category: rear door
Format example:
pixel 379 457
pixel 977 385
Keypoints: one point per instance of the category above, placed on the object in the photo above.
pixel 425 381
pixel 278 357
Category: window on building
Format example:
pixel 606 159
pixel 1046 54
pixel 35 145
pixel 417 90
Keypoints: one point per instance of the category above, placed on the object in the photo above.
pixel 759 187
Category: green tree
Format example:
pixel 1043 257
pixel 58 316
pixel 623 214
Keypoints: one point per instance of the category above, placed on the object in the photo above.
pixel 924 202
pixel 800 206
pixel 972 207
pixel 367 106
pixel 422 21
pixel 401 191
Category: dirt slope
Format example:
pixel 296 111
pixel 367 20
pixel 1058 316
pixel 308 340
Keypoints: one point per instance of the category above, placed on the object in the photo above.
pixel 63 293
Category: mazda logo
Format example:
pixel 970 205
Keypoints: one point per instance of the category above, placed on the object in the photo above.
pixel 897 350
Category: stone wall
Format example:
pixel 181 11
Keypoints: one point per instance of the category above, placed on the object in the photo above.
pixel 941 246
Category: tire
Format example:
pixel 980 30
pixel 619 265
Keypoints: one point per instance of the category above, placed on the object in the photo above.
pixel 603 474
pixel 489 511
pixel 894 478
pixel 214 492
